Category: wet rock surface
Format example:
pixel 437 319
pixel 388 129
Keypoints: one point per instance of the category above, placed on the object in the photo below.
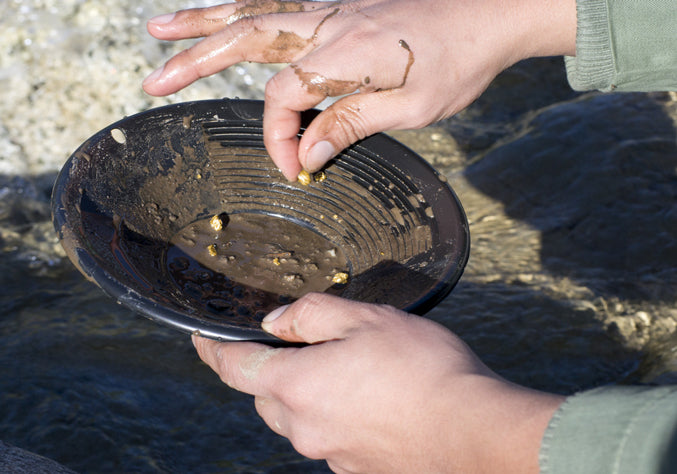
pixel 570 284
pixel 17 461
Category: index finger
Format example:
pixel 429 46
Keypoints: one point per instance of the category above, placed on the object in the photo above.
pixel 275 38
pixel 244 366
pixel 198 22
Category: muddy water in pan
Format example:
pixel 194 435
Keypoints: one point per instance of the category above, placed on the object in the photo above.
pixel 571 280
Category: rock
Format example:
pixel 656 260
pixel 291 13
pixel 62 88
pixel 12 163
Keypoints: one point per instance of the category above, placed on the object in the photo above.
pixel 14 460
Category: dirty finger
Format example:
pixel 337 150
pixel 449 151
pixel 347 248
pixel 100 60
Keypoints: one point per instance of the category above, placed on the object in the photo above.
pixel 307 82
pixel 261 39
pixel 245 366
pixel 200 22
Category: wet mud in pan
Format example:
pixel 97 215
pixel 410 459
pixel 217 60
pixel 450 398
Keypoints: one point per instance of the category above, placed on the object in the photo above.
pixel 222 272
pixel 180 214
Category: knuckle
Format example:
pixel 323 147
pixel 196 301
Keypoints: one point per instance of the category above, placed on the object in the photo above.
pixel 294 393
pixel 349 124
pixel 307 445
pixel 193 18
pixel 421 113
pixel 191 61
pixel 275 87
pixel 230 378
pixel 297 390
pixel 311 301
pixel 305 308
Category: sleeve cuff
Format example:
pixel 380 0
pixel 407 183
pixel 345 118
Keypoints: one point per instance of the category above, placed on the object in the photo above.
pixel 593 65
pixel 624 45
pixel 613 429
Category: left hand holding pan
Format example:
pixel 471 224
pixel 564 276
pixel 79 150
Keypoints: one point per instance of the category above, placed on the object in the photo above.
pixel 379 390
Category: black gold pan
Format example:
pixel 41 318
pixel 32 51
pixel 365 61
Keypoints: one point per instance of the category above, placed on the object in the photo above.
pixel 179 214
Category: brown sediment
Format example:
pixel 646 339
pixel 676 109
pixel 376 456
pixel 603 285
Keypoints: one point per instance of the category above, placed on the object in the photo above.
pixel 317 84
pixel 284 47
pixel 265 7
pixel 287 44
pixel 251 249
pixel 317 28
pixel 264 252
pixel 404 45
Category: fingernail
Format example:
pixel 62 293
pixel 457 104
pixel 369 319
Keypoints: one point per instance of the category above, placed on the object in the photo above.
pixel 162 19
pixel 154 76
pixel 319 154
pixel 274 314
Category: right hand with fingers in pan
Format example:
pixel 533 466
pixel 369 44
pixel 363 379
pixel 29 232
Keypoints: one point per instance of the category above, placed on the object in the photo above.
pixel 395 64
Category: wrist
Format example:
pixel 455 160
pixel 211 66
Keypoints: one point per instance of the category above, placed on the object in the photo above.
pixel 523 417
pixel 502 426
pixel 544 27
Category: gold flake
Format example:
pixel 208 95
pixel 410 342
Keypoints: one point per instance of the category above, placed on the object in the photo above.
pixel 304 178
pixel 340 278
pixel 216 223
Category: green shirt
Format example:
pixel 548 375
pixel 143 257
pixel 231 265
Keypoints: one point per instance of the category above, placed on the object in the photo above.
pixel 620 430
pixel 626 45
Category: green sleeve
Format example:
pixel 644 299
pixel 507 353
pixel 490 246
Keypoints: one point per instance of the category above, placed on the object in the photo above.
pixel 613 430
pixel 627 45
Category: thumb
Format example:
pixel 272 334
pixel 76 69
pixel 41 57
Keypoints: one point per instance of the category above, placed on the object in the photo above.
pixel 351 119
pixel 317 317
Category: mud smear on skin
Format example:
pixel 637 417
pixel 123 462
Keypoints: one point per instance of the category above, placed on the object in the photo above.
pixel 265 7
pixel 287 43
pixel 318 84
pixel 247 10
pixel 283 48
pixel 410 62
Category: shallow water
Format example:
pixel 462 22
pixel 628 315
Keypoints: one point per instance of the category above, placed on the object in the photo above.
pixel 571 282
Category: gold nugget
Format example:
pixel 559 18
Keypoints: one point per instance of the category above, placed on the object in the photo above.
pixel 340 278
pixel 212 250
pixel 216 223
pixel 304 178
pixel 319 176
